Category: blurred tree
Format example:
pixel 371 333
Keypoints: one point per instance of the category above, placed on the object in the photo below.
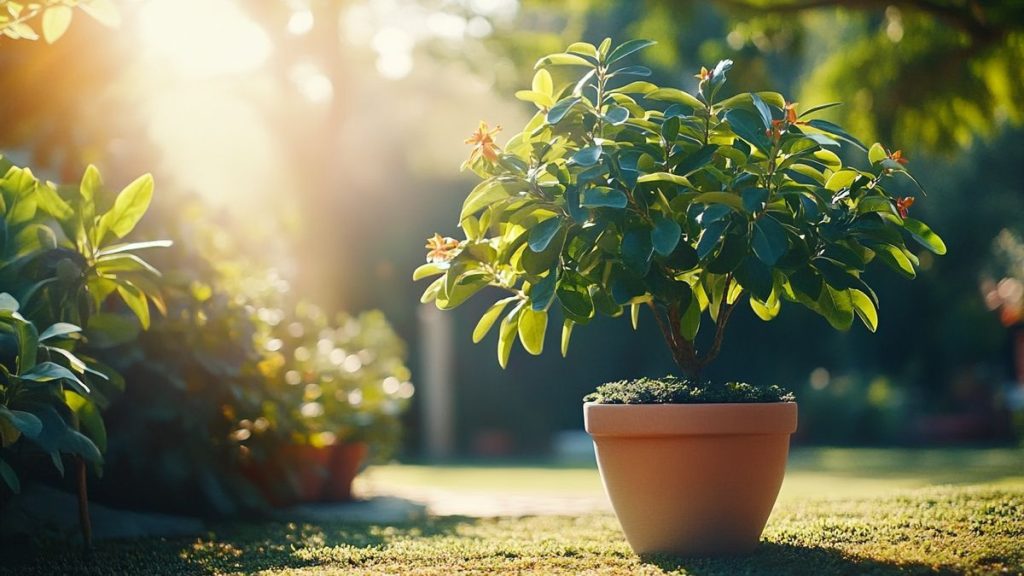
pixel 932 74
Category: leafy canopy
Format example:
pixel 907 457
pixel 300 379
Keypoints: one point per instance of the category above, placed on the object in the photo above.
pixel 620 193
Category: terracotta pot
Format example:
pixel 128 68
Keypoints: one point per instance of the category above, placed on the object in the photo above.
pixel 309 467
pixel 692 479
pixel 346 461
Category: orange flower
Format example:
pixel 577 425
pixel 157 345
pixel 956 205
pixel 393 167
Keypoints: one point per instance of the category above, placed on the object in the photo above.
pixel 897 156
pixel 483 143
pixel 904 203
pixel 441 249
pixel 791 112
pixel 704 75
pixel 775 132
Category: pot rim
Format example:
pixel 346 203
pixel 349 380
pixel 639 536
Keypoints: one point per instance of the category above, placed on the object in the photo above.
pixel 659 420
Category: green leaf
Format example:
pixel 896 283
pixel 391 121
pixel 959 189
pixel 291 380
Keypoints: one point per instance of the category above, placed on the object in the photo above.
pixel 136 301
pixel 675 96
pixel 634 315
pixel 507 334
pixel 561 108
pixel 603 196
pixel 754 199
pixel 57 330
pixel 754 276
pixel 129 207
pixel 56 20
pixel 818 108
pixel 894 258
pixel 710 237
pixel 90 421
pixel 541 234
pixel 542 83
pixel 14 423
pixel 637 250
pixel 924 236
pixel 689 324
pixel 665 235
pixel 769 240
pixel 616 115
pixel 766 310
pixel 726 198
pixel 837 131
pixel 532 326
pixel 584 48
pixel 663 177
pixel 543 101
pixel 427 270
pixel 876 153
pixel 748 126
pixel 8 303
pixel 762 110
pixel 10 476
pixel 132 247
pixel 543 292
pixel 487 193
pixel 489 318
pixel 567 327
pixel 693 162
pixel 627 48
pixel 743 99
pixel 836 306
pixel 50 202
pixel 637 87
pixel 841 179
pixel 865 309
pixel 562 59
pixel 577 303
pixel 49 371
pixel 587 156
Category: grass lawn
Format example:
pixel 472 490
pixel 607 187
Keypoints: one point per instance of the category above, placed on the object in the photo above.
pixel 841 512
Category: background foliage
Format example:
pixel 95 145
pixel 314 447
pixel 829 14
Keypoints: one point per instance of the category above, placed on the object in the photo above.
pixel 371 169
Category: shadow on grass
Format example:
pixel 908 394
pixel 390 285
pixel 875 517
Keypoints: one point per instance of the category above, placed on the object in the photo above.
pixel 229 548
pixel 789 559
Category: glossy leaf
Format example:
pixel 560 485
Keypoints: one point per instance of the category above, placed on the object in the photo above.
pixel 603 197
pixel 532 326
pixel 665 235
pixel 541 234
pixel 924 236
pixel 865 309
pixel 628 47
pixel 675 96
pixel 489 318
pixel 769 240
pixel 562 59
pixel 129 207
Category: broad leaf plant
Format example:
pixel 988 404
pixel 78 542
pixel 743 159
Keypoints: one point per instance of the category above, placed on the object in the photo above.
pixel 620 194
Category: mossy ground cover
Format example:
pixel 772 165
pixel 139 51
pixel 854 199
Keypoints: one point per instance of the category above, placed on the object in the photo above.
pixel 842 512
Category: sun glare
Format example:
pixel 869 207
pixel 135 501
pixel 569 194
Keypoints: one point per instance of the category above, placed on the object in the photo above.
pixel 202 37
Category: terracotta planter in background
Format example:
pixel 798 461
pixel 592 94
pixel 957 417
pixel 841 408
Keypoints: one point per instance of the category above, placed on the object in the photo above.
pixel 692 479
pixel 346 461
pixel 309 467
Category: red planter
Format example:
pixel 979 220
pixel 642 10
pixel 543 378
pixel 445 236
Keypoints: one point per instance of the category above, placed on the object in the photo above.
pixel 309 469
pixel 302 473
pixel 346 461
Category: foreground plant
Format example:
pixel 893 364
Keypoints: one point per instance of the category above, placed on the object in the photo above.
pixel 620 194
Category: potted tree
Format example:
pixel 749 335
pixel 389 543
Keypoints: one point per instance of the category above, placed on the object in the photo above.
pixel 620 195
